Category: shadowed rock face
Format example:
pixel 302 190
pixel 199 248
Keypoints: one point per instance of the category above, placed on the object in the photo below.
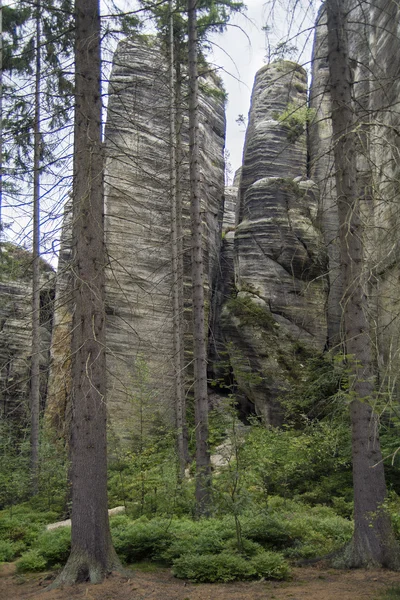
pixel 138 225
pixel 58 405
pixel 279 262
pixel 374 48
pixel 322 172
pixel 16 330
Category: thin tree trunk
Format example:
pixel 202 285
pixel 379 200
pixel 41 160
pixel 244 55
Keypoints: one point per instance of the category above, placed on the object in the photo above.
pixel 203 470
pixel 373 540
pixel 92 554
pixel 35 360
pixel 177 279
pixel 1 123
pixel 179 228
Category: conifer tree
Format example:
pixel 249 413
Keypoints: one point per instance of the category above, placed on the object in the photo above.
pixel 92 553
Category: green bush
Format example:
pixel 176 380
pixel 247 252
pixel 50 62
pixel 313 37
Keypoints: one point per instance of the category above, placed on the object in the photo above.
pixel 10 550
pixel 141 540
pixel 270 565
pixel 270 531
pixel 211 568
pixel 228 566
pixel 32 560
pixel 49 549
pixel 54 545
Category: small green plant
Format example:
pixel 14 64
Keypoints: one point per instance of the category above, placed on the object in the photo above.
pixel 250 313
pixel 295 118
pixel 32 560
pixel 10 550
pixel 49 549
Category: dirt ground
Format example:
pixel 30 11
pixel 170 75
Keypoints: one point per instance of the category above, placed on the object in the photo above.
pixel 313 583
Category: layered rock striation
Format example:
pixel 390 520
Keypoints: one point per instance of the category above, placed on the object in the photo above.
pixel 373 50
pixel 140 361
pixel 16 330
pixel 277 311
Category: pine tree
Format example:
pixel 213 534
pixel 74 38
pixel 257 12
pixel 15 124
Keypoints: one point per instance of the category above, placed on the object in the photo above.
pixel 92 554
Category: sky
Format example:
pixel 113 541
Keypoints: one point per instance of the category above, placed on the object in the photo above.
pixel 240 54
pixel 237 54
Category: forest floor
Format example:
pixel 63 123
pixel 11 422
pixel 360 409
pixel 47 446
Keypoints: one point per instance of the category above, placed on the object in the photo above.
pixel 314 583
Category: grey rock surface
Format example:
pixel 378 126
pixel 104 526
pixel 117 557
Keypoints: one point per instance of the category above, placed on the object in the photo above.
pixel 279 259
pixel 139 277
pixel 322 172
pixel 16 330
pixel 58 404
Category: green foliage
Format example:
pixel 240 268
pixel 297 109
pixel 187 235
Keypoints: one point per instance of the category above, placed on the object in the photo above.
pixel 227 566
pixel 295 118
pixel 213 92
pixel 318 393
pixel 20 527
pixel 250 313
pixel 32 560
pixel 10 550
pixel 15 479
pixel 210 568
pixel 54 545
pixel 293 463
pixel 269 530
pixel 49 549
pixel 141 539
pixel 270 565
pixel 14 465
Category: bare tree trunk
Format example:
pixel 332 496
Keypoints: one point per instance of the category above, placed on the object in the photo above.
pixel 1 122
pixel 373 540
pixel 35 359
pixel 177 283
pixel 203 470
pixel 92 554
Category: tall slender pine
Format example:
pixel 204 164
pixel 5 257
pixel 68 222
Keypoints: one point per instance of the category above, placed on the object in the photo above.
pixel 203 468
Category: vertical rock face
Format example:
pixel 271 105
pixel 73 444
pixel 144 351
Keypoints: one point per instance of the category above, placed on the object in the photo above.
pixel 278 313
pixel 58 406
pixel 383 51
pixel 374 49
pixel 322 172
pixel 16 330
pixel 139 277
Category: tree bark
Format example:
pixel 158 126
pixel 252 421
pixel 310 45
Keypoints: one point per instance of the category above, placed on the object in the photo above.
pixel 177 283
pixel 35 358
pixel 203 469
pixel 92 554
pixel 373 540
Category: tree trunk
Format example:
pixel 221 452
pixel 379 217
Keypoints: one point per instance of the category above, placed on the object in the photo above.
pixel 35 359
pixel 373 540
pixel 203 470
pixel 1 123
pixel 92 554
pixel 177 283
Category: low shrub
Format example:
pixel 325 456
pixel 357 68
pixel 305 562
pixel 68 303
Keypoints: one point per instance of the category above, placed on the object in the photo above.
pixel 270 531
pixel 10 550
pixel 32 560
pixel 141 539
pixel 228 566
pixel 211 568
pixel 54 545
pixel 270 565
